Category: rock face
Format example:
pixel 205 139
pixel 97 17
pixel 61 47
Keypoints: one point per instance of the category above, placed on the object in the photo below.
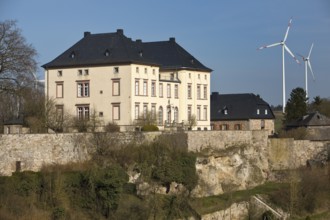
pixel 231 169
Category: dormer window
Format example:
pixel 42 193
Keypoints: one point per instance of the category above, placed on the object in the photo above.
pixel 107 53
pixel 258 111
pixel 225 111
pixel 140 53
pixel 266 112
pixel 73 55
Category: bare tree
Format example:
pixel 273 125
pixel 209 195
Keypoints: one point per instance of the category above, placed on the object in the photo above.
pixel 17 66
pixel 55 116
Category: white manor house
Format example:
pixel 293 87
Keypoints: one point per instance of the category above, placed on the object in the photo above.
pixel 124 80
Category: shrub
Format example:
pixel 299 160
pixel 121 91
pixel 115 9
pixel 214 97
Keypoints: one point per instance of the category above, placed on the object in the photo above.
pixel 112 127
pixel 150 128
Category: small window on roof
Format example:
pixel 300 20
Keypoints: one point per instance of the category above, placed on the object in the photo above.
pixel 72 55
pixel 266 112
pixel 107 53
pixel 258 111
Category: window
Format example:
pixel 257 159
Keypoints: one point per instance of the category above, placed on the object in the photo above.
pixel 225 111
pixel 137 111
pixel 205 92
pixel 145 110
pixel 172 76
pixel 199 76
pixel 80 72
pixel 100 114
pixel 189 75
pixel 116 69
pixel 59 73
pixel 83 112
pixel 115 87
pixel 59 113
pixel 189 91
pixel 137 87
pixel 189 112
pixel 168 114
pixel 198 113
pixel 205 112
pixel 145 70
pixel 262 124
pixel 168 90
pixel 258 111
pixel 83 89
pixel 137 69
pixel 116 111
pixel 145 88
pixel 160 89
pixel 153 88
pixel 198 92
pixel 160 115
pixel 153 111
pixel 153 71
pixel 59 90
pixel 86 72
pixel 237 127
pixel 176 114
pixel 176 91
pixel 205 77
pixel 266 112
pixel 224 127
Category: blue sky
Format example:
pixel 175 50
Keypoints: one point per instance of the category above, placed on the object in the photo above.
pixel 222 34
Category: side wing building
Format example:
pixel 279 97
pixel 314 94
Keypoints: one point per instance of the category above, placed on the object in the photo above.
pixel 124 80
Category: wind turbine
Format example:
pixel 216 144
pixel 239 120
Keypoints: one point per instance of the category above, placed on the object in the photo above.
pixel 36 80
pixel 307 63
pixel 284 47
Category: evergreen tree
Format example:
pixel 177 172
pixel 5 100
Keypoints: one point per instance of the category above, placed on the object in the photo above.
pixel 296 106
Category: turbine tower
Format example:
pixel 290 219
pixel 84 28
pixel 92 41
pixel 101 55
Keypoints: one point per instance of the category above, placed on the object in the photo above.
pixel 284 48
pixel 307 63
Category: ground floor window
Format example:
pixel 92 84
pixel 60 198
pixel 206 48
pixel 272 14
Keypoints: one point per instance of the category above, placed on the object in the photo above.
pixel 238 127
pixel 83 112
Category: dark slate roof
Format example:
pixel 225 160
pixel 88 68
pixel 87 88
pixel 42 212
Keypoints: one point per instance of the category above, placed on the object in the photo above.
pixel 312 119
pixel 92 50
pixel 239 107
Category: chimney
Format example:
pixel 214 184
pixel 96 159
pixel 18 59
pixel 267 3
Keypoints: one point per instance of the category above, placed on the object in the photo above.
pixel 172 39
pixel 87 33
pixel 138 41
pixel 120 31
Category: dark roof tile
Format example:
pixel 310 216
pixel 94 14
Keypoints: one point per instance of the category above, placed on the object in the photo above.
pixel 116 48
pixel 239 107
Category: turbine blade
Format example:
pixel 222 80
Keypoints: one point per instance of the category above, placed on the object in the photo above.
pixel 287 30
pixel 289 51
pixel 310 51
pixel 267 46
pixel 310 67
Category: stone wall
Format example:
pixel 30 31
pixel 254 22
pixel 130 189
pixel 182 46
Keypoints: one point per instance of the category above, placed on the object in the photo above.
pixel 240 154
pixel 32 151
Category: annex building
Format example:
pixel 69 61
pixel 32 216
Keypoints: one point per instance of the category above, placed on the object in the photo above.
pixel 124 80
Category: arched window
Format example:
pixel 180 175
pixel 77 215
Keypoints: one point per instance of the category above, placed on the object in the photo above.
pixel 176 114
pixel 160 115
pixel 168 119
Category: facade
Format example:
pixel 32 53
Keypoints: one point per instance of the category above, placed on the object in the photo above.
pixel 124 80
pixel 241 112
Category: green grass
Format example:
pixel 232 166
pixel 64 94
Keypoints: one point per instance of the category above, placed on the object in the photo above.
pixel 215 203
